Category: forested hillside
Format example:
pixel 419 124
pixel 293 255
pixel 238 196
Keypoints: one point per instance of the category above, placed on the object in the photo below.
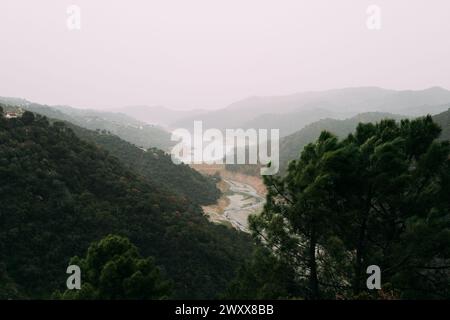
pixel 133 130
pixel 443 120
pixel 156 166
pixel 377 198
pixel 60 193
pixel 129 129
pixel 292 145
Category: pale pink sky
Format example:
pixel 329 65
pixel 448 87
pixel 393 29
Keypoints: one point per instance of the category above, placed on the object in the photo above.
pixel 209 53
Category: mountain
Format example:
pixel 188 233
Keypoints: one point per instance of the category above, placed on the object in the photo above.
pixel 154 164
pixel 60 193
pixel 159 115
pixel 136 132
pixel 359 100
pixel 18 102
pixel 344 103
pixel 289 122
pixel 156 167
pixel 443 119
pixel 292 145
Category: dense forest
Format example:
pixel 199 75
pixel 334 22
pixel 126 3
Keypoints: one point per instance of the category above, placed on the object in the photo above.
pixel 378 197
pixel 129 129
pixel 156 166
pixel 114 269
pixel 443 120
pixel 293 144
pixel 59 194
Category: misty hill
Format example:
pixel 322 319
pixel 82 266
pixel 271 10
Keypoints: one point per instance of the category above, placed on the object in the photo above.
pixel 12 101
pixel 60 193
pixel 159 115
pixel 289 122
pixel 359 99
pixel 341 102
pixel 156 167
pixel 136 132
pixel 154 164
pixel 292 145
pixel 443 119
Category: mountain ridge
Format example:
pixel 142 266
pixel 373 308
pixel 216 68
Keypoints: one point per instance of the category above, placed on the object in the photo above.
pixel 345 103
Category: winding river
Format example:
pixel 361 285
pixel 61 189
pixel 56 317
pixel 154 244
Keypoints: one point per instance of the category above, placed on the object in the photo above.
pixel 243 200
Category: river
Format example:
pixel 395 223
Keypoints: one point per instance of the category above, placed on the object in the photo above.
pixel 242 201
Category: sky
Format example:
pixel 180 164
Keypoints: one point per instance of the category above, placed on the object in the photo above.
pixel 209 53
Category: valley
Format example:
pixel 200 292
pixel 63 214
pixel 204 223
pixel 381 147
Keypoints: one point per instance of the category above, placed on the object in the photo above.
pixel 216 157
pixel 84 185
pixel 235 206
pixel 242 196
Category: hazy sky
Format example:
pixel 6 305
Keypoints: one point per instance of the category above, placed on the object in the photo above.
pixel 209 53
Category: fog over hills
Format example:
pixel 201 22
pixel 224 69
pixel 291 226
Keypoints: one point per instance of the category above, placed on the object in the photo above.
pixel 158 115
pixel 292 145
pixel 443 120
pixel 137 132
pixel 290 113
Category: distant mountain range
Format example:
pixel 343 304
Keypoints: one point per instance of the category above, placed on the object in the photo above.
pixel 354 100
pixel 289 113
pixel 129 129
pixel 159 115
pixel 292 112
pixel 292 145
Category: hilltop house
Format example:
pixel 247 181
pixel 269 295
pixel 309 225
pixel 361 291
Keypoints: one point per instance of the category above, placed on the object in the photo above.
pixel 10 115
pixel 14 114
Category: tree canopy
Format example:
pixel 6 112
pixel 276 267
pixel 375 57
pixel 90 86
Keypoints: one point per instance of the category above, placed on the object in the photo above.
pixel 59 194
pixel 378 197
pixel 113 269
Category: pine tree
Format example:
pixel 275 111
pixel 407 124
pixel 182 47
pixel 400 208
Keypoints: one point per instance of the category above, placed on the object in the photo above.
pixel 378 197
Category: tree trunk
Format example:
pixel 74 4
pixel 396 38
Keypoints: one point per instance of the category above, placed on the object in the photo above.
pixel 360 257
pixel 313 281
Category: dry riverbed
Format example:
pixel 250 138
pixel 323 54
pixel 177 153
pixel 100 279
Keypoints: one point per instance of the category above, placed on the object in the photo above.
pixel 239 200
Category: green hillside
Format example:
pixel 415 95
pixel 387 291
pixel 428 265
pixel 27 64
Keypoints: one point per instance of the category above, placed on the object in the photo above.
pixel 156 166
pixel 443 120
pixel 129 129
pixel 292 145
pixel 60 193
